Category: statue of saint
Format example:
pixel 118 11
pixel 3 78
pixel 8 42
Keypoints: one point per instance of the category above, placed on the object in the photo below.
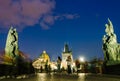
pixel 11 49
pixel 110 46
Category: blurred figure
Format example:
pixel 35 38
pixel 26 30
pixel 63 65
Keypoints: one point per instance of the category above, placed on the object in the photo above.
pixel 77 64
pixel 59 60
pixel 69 63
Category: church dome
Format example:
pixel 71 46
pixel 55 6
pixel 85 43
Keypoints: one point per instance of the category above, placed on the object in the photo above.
pixel 45 56
pixel 42 60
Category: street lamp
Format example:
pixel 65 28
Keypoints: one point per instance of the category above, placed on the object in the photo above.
pixel 82 63
pixel 82 59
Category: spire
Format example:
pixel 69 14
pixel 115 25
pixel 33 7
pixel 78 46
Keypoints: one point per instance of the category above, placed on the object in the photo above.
pixel 66 48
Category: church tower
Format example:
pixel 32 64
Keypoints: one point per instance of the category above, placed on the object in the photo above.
pixel 65 54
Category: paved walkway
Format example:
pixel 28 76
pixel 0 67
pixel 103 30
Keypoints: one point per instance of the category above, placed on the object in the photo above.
pixel 68 77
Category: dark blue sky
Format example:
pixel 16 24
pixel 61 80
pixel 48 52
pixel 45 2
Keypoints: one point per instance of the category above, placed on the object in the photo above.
pixel 80 23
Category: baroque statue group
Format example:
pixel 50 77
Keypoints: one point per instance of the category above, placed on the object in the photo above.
pixel 111 48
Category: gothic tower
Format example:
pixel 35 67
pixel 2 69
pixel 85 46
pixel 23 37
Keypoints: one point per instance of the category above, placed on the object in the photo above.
pixel 65 54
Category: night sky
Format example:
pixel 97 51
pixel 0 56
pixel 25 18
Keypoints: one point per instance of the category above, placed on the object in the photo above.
pixel 49 24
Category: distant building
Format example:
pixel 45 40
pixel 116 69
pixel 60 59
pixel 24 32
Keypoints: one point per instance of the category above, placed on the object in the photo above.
pixel 65 54
pixel 43 60
pixel 45 57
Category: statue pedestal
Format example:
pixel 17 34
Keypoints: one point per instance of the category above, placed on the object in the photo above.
pixel 112 69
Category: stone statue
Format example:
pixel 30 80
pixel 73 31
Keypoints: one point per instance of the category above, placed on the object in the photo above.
pixel 11 48
pixel 110 47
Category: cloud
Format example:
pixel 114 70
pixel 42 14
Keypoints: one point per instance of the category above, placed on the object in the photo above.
pixel 66 16
pixel 24 13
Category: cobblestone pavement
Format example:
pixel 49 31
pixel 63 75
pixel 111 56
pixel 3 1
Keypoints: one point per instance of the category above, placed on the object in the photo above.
pixel 68 77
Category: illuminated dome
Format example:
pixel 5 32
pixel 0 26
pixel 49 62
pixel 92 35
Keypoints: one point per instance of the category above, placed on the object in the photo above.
pixel 45 56
pixel 42 60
